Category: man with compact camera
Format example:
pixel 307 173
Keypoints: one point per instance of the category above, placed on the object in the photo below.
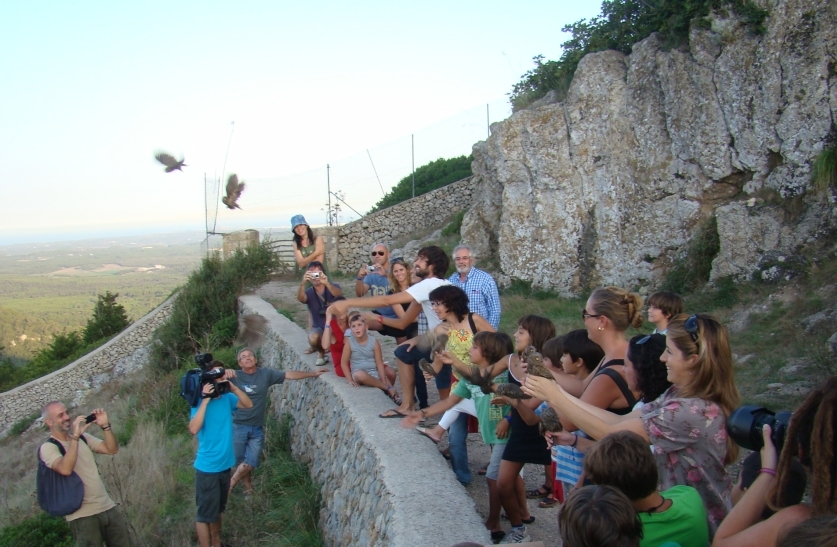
pixel 97 521
pixel 211 421
pixel 319 296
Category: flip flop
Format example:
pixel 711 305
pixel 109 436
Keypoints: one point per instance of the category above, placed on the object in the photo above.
pixel 309 351
pixel 482 471
pixel 423 431
pixel 538 493
pixel 392 413
pixel 547 502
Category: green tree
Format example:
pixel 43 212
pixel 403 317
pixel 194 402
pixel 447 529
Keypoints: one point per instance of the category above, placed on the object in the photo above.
pixel 109 318
pixel 428 177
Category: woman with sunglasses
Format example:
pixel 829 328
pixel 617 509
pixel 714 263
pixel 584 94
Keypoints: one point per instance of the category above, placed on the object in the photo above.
pixel 687 423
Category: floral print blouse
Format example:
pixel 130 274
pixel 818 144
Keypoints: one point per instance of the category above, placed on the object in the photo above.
pixel 690 444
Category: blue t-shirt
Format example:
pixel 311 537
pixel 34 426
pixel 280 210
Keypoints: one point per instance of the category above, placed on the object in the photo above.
pixel 215 438
pixel 378 286
pixel 317 305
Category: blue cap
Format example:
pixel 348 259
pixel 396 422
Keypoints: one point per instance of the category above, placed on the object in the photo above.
pixel 296 220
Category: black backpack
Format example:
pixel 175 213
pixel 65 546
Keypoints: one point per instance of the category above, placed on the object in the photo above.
pixel 59 495
pixel 190 387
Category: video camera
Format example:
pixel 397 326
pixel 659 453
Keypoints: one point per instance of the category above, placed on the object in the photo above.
pixel 745 426
pixel 211 373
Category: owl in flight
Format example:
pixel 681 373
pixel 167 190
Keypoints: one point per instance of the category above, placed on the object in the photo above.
pixel 234 189
pixel 170 163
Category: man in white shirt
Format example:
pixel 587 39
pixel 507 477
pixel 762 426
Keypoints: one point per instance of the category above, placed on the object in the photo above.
pixel 431 265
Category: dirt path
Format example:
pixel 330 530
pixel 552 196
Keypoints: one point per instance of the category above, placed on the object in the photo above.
pixel 282 294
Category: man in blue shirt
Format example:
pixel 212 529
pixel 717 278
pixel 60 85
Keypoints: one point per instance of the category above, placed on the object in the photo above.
pixel 483 297
pixel 212 422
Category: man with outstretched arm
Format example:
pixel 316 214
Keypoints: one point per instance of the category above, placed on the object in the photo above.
pixel 248 424
pixel 97 522
pixel 212 423
pixel 430 266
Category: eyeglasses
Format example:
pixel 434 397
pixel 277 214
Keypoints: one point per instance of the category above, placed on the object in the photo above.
pixel 377 253
pixel 461 258
pixel 399 259
pixel 585 315
pixel 691 326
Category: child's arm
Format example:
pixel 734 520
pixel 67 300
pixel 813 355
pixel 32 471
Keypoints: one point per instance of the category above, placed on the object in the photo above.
pixel 344 362
pixel 379 362
pixel 449 358
pixel 527 414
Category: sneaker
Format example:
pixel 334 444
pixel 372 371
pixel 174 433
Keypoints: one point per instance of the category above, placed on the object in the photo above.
pixel 517 535
pixel 320 362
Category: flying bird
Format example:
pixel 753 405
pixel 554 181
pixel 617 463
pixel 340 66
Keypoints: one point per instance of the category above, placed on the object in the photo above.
pixel 234 189
pixel 252 329
pixel 170 163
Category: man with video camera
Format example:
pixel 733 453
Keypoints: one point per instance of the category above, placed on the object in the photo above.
pixel 211 421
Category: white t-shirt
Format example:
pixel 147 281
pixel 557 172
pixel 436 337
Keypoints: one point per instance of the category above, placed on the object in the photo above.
pixel 421 294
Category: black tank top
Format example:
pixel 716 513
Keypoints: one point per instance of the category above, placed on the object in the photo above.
pixel 620 382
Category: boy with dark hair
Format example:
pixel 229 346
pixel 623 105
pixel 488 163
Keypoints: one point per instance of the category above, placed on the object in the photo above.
pixel 662 306
pixel 622 460
pixel 599 516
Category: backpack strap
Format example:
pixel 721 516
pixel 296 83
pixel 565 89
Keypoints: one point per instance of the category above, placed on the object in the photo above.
pixel 60 446
pixel 472 324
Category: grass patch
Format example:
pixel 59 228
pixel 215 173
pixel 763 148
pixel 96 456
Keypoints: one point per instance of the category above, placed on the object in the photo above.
pixel 824 170
pixel 691 271
pixel 24 423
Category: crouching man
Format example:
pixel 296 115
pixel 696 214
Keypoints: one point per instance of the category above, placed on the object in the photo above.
pixel 212 423
pixel 97 522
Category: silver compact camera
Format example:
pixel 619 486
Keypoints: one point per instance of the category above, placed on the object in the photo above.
pixel 314 275
pixel 370 268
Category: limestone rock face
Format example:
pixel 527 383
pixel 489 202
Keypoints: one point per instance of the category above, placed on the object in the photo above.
pixel 608 186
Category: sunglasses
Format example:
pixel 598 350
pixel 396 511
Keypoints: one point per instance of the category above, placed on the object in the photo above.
pixel 691 326
pixel 397 259
pixel 585 315
pixel 377 253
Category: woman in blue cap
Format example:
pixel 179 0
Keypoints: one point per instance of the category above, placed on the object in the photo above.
pixel 307 246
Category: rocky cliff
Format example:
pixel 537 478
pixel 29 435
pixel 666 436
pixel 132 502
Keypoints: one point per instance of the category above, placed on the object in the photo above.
pixel 608 185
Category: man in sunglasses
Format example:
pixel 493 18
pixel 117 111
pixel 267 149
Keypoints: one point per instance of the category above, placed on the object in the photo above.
pixel 372 277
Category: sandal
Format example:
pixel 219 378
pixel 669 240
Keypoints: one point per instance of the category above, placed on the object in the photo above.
pixel 425 431
pixel 548 502
pixel 541 492
pixel 309 351
pixel 393 395
pixel 427 368
pixel 482 471
pixel 530 520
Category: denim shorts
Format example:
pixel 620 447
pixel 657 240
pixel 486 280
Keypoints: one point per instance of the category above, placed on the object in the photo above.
pixel 413 356
pixel 247 444
pixel 493 470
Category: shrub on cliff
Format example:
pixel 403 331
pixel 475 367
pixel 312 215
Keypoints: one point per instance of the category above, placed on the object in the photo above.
pixel 109 318
pixel 201 312
pixel 622 24
pixel 428 177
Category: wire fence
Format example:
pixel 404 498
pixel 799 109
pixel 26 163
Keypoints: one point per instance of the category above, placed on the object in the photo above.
pixel 355 183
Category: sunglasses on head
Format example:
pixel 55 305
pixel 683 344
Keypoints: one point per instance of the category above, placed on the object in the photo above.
pixel 377 253
pixel 397 259
pixel 691 326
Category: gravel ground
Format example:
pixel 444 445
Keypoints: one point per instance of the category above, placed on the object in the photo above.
pixel 282 294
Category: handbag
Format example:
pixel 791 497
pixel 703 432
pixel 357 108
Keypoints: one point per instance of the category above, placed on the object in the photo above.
pixel 59 495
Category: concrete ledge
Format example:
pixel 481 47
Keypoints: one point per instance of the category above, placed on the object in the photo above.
pixel 381 485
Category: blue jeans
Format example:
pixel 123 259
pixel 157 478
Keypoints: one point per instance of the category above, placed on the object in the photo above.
pixel 457 436
pixel 247 444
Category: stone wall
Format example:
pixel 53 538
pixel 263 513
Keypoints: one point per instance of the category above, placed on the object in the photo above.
pixel 83 374
pixel 381 485
pixel 355 239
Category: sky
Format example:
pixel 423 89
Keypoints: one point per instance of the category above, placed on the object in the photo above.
pixel 272 91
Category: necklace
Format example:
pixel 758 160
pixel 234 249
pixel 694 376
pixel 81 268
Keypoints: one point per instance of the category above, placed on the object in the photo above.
pixel 655 509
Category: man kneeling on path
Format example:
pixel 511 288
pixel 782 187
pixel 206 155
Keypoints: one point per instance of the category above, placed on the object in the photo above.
pixel 97 522
pixel 248 423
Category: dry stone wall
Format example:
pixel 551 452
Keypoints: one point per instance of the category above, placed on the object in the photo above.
pixel 381 485
pixel 355 239
pixel 120 354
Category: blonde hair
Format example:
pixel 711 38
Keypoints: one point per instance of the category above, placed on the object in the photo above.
pixel 393 283
pixel 623 308
pixel 712 378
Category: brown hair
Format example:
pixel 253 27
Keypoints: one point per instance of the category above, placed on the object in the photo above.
pixel 354 316
pixel 553 349
pixel 623 308
pixel 540 329
pixel 622 460
pixel 493 345
pixel 599 516
pixel 669 303
pixel 579 346
pixel 811 437
pixel 814 532
pixel 712 378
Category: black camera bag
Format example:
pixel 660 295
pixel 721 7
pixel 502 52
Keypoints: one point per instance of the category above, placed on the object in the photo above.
pixel 59 495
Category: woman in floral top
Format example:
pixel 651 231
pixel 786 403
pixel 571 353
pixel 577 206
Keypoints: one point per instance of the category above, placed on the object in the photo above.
pixel 687 423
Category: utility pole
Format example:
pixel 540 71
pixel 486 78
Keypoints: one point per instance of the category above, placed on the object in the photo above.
pixel 413 145
pixel 487 120
pixel 328 182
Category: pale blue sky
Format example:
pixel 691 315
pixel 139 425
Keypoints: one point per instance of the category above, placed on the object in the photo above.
pixel 90 90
